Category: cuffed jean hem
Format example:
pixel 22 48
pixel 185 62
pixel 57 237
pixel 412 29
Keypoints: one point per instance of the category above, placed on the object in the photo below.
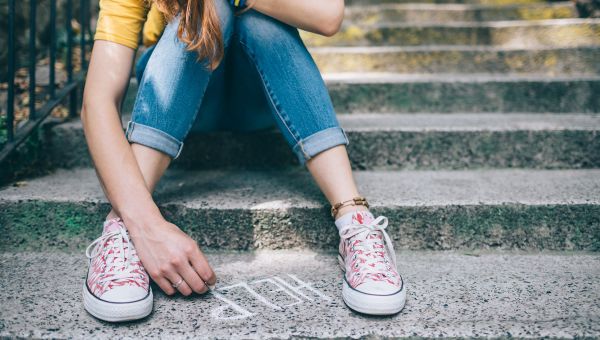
pixel 319 142
pixel 153 138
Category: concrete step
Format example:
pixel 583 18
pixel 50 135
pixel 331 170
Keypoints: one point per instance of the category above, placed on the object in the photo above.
pixel 449 295
pixel 481 2
pixel 393 92
pixel 439 13
pixel 458 59
pixel 515 34
pixel 391 141
pixel 507 209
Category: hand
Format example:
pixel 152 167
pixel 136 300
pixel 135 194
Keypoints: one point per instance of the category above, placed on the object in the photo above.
pixel 169 255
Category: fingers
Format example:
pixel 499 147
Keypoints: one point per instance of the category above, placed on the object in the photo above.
pixel 165 285
pixel 201 266
pixel 192 282
pixel 188 270
pixel 182 286
pixel 181 274
pixel 193 279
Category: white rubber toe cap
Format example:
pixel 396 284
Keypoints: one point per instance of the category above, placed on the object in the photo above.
pixel 374 303
pixel 124 294
pixel 377 288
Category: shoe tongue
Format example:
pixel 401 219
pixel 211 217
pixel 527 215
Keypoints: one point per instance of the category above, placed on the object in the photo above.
pixel 365 217
pixel 362 217
pixel 112 225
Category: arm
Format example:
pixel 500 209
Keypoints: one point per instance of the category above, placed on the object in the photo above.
pixel 107 79
pixel 318 16
pixel 166 252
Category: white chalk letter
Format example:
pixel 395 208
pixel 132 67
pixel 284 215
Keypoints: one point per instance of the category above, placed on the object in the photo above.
pixel 252 292
pixel 301 285
pixel 218 312
pixel 280 288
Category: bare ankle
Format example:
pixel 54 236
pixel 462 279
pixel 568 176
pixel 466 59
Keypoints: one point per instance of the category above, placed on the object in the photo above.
pixel 112 214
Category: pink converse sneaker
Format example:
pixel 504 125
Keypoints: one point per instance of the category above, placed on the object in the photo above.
pixel 117 286
pixel 371 284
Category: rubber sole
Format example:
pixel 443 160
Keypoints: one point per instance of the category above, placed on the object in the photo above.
pixel 369 303
pixel 117 312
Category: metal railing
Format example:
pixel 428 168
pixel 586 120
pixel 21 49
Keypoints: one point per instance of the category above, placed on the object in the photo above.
pixel 54 95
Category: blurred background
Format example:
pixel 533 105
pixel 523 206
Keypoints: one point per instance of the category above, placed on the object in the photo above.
pixel 474 127
pixel 48 43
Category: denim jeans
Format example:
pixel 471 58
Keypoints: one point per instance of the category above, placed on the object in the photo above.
pixel 266 78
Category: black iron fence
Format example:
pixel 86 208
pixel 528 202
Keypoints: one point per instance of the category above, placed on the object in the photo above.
pixel 43 98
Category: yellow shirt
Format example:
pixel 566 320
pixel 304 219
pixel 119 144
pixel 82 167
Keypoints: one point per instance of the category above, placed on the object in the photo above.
pixel 154 26
pixel 121 21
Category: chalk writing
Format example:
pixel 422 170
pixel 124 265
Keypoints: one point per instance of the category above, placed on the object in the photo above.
pixel 280 288
pixel 302 285
pixel 295 291
pixel 220 312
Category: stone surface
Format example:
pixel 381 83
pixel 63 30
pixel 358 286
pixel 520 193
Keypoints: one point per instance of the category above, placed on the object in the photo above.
pixel 449 295
pixel 390 141
pixel 482 2
pixel 510 33
pixel 391 92
pixel 421 12
pixel 459 59
pixel 394 92
pixel 493 64
pixel 509 209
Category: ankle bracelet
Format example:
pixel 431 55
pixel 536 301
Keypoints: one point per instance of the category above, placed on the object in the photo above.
pixel 359 200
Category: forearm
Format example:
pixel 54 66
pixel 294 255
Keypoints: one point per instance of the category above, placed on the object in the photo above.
pixel 116 166
pixel 317 16
pixel 113 158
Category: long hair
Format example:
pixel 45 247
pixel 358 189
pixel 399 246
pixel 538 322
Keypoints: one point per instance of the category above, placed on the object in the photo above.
pixel 199 27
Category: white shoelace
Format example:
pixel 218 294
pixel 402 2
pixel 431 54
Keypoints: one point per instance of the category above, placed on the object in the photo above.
pixel 367 244
pixel 117 259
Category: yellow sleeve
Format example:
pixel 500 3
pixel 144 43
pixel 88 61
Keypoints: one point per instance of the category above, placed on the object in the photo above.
pixel 154 26
pixel 121 21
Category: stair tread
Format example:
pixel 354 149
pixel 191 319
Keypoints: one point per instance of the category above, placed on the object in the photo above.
pixel 498 3
pixel 450 294
pixel 455 6
pixel 426 12
pixel 441 48
pixel 394 77
pixel 468 122
pixel 444 122
pixel 393 141
pixel 486 24
pixel 282 189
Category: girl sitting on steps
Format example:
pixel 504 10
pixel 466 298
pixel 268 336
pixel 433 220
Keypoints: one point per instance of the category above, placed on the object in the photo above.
pixel 215 69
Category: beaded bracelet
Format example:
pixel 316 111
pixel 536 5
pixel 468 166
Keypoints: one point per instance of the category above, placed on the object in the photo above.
pixel 354 201
pixel 238 3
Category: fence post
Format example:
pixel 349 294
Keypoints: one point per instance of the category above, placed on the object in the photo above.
pixel 82 20
pixel 73 94
pixel 10 102
pixel 32 57
pixel 52 61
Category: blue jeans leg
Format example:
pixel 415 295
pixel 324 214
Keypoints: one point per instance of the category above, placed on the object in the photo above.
pixel 267 77
pixel 171 89
pixel 297 94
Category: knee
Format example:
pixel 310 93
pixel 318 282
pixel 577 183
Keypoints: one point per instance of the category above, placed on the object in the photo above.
pixel 261 30
pixel 226 19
